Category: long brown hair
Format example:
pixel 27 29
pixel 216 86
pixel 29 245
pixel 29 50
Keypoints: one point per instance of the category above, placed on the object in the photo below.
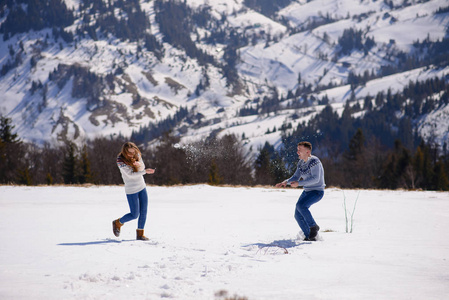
pixel 124 155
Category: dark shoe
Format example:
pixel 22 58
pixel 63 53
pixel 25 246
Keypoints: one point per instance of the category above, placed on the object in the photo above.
pixel 140 235
pixel 310 240
pixel 116 227
pixel 314 232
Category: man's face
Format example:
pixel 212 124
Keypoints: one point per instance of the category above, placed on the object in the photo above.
pixel 303 152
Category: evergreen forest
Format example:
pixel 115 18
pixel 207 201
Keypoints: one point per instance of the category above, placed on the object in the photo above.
pixel 372 143
pixel 382 150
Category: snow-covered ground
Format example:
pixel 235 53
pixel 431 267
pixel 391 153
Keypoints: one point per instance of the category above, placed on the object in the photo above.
pixel 57 243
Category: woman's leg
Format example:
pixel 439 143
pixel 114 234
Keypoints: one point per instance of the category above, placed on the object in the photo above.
pixel 143 201
pixel 133 201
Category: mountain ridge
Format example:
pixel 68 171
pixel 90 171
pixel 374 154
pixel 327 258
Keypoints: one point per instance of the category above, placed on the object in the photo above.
pixel 80 81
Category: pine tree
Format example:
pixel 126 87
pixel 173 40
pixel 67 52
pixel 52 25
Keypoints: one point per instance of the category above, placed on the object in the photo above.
pixel 48 179
pixel 24 177
pixel 214 176
pixel 354 161
pixel 262 167
pixel 356 145
pixel 396 170
pixel 86 173
pixel 69 164
pixel 440 180
pixel 10 147
pixel 6 131
pixel 422 163
pixel 278 170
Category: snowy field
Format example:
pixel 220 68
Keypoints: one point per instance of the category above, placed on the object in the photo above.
pixel 57 243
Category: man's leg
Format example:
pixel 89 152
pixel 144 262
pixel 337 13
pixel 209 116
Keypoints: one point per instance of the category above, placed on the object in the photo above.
pixel 306 200
pixel 302 224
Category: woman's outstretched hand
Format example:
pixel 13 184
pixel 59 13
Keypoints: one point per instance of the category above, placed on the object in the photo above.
pixel 150 171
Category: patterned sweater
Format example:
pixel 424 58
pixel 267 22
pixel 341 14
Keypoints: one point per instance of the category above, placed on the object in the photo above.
pixel 134 181
pixel 309 174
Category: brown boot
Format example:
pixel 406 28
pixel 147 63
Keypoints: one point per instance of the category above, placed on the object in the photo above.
pixel 116 227
pixel 140 235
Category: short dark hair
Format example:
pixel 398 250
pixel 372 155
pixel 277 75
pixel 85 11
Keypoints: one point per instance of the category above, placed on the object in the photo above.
pixel 308 145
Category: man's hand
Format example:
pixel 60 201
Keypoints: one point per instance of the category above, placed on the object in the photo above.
pixel 294 184
pixel 281 184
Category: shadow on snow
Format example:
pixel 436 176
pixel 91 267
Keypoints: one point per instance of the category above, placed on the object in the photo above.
pixel 106 241
pixel 286 244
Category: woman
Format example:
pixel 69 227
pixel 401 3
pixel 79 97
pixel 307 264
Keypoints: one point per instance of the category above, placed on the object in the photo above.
pixel 132 168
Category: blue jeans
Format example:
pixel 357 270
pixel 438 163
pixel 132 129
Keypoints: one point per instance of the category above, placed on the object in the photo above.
pixel 302 213
pixel 138 204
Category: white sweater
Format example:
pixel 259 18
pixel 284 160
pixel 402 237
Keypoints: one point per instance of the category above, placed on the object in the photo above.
pixel 134 181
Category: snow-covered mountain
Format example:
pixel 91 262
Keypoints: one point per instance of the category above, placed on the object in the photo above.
pixel 97 84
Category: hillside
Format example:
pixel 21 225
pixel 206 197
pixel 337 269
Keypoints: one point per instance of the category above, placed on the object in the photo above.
pixel 112 68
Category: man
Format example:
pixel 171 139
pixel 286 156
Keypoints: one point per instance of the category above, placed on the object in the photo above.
pixel 309 174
